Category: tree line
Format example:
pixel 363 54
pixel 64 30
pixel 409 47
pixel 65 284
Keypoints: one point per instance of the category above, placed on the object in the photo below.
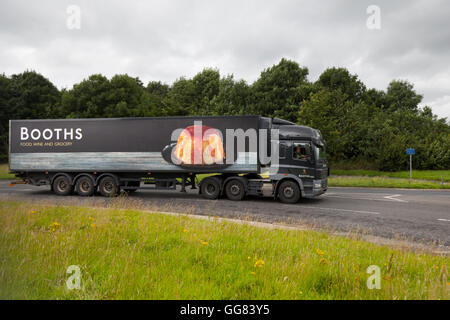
pixel 362 126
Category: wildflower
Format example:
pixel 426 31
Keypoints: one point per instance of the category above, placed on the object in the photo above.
pixel 448 283
pixel 320 252
pixel 252 272
pixel 259 263
pixel 54 226
pixel 32 212
pixel 436 267
pixel 248 257
pixel 301 292
pixel 204 243
pixel 323 261
pixel 185 230
pixel 93 225
pixel 91 219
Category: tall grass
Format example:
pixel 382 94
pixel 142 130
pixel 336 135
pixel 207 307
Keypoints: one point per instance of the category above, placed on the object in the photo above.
pixel 129 254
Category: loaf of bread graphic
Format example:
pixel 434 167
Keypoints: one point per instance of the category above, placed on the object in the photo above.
pixel 200 145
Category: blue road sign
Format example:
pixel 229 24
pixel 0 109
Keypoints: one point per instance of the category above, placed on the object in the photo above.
pixel 410 151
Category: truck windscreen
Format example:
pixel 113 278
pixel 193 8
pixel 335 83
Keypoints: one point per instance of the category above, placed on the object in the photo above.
pixel 320 152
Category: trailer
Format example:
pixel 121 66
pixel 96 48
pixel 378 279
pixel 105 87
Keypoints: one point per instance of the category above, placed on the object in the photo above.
pixel 232 156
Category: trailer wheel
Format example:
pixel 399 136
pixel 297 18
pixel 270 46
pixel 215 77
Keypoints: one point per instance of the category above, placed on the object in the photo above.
pixel 210 188
pixel 108 187
pixel 84 186
pixel 235 190
pixel 289 192
pixel 61 186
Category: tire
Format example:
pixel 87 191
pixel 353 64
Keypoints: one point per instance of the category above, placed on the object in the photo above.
pixel 108 187
pixel 210 188
pixel 235 190
pixel 61 186
pixel 84 186
pixel 289 192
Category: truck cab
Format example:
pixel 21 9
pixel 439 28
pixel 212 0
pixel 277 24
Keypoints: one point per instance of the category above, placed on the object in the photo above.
pixel 302 157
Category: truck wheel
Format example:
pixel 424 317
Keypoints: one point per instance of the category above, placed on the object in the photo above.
pixel 84 187
pixel 61 186
pixel 108 187
pixel 210 188
pixel 235 190
pixel 289 192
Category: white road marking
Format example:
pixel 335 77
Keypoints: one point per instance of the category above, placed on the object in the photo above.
pixel 371 199
pixel 393 197
pixel 447 220
pixel 337 209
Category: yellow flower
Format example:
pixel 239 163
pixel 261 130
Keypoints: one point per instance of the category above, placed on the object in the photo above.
pixel 448 283
pixel 248 258
pixel 32 212
pixel 323 261
pixel 320 252
pixel 54 226
pixel 91 219
pixel 436 267
pixel 252 272
pixel 93 225
pixel 204 243
pixel 185 230
pixel 259 263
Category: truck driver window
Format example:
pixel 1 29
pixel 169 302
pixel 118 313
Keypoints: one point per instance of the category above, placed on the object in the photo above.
pixel 301 151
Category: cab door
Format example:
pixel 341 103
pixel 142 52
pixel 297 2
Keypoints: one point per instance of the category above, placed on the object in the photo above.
pixel 302 158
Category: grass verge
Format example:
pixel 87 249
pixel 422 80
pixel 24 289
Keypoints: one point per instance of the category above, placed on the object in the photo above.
pixel 435 175
pixel 4 172
pixel 130 254
pixel 382 182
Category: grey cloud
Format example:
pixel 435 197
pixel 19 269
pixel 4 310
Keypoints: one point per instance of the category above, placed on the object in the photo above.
pixel 163 40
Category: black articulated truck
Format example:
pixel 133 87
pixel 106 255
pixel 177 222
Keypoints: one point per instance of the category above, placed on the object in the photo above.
pixel 231 156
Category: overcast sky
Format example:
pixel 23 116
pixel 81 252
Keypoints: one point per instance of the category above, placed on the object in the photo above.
pixel 163 40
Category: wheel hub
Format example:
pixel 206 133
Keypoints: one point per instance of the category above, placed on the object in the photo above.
pixel 235 189
pixel 288 192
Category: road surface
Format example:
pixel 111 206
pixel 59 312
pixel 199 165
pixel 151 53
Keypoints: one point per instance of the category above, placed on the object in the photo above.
pixel 413 215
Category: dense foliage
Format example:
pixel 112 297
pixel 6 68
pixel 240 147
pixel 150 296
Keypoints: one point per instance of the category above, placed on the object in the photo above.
pixel 360 125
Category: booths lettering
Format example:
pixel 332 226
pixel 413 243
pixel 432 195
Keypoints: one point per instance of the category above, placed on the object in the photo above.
pixel 59 137
pixel 49 134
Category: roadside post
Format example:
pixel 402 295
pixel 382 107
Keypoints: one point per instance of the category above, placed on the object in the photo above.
pixel 410 152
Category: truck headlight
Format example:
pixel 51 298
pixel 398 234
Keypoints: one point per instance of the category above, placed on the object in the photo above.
pixel 317 184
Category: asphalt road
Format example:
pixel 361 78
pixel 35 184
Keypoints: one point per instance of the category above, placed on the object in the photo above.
pixel 413 215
